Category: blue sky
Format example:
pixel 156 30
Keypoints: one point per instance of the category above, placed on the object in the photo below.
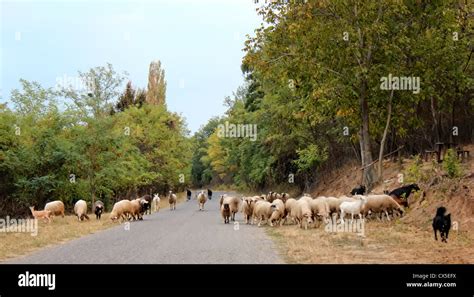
pixel 198 42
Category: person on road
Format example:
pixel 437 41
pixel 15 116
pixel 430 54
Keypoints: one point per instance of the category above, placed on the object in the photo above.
pixel 188 194
pixel 209 194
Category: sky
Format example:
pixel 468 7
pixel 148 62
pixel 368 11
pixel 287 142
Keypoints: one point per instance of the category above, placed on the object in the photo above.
pixel 199 43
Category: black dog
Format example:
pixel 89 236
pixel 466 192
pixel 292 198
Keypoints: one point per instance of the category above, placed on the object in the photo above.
pixel 359 191
pixel 442 223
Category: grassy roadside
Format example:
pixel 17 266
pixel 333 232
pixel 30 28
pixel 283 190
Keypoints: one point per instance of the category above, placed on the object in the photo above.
pixel 59 231
pixel 384 243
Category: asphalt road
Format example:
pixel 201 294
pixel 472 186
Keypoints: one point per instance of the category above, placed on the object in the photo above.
pixel 183 236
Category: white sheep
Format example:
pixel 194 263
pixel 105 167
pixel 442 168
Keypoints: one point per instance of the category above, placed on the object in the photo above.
pixel 55 207
pixel 156 203
pixel 320 208
pixel 80 209
pixel 202 198
pixel 262 211
pixel 289 204
pixel 248 205
pixel 121 210
pixel 302 212
pixel 352 207
pixel 382 204
pixel 172 200
pixel 278 212
pixel 306 198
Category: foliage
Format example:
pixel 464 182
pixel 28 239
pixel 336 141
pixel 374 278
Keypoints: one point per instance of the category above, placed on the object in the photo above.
pixel 451 164
pixel 47 154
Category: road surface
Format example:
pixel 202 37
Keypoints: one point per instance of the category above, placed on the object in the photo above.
pixel 183 236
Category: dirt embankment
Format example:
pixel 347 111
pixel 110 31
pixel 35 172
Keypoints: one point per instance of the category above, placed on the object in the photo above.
pixel 406 240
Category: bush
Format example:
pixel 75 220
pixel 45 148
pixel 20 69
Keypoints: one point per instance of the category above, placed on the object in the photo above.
pixel 451 164
pixel 414 173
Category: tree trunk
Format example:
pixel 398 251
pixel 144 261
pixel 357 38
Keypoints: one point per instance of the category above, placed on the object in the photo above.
pixel 368 174
pixel 384 138
pixel 435 120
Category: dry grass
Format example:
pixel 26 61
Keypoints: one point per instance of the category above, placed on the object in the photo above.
pixel 384 243
pixel 59 231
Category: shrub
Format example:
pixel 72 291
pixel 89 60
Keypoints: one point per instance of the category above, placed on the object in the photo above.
pixel 451 164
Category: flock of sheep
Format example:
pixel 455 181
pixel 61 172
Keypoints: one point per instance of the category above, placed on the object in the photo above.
pixel 273 209
pixel 123 209
pixel 276 209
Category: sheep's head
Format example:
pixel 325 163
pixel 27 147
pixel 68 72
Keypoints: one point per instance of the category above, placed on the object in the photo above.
pixel 113 216
pixel 156 196
pixel 401 211
pixel 99 209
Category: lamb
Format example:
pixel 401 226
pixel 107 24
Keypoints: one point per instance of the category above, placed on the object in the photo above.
pixel 155 204
pixel 98 209
pixel 55 207
pixel 302 212
pixel 202 198
pixel 80 209
pixel 352 207
pixel 234 204
pixel 41 214
pixel 225 211
pixel 247 208
pixel 172 200
pixel 262 211
pixel 382 204
pixel 121 210
pixel 278 211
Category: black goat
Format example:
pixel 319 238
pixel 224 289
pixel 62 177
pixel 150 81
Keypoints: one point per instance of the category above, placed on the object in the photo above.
pixel 359 190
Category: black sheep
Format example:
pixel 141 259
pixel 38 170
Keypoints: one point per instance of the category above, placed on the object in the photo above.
pixel 209 194
pixel 442 223
pixel 188 194
pixel 98 209
pixel 359 191
pixel 147 207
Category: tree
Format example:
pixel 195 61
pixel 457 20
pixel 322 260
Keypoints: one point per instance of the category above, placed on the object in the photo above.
pixel 100 89
pixel 156 93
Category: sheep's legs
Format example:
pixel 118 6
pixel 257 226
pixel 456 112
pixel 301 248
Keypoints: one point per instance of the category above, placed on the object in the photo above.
pixel 386 213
